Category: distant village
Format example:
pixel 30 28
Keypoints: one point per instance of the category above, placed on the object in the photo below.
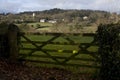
pixel 50 21
pixel 56 20
pixel 81 17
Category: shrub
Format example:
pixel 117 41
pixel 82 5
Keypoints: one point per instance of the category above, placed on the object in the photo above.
pixel 108 37
pixel 24 27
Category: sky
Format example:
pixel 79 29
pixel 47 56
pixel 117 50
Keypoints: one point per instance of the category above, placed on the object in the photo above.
pixel 16 6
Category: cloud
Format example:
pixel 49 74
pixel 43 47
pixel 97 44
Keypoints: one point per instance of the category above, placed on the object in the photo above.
pixel 7 6
pixel 108 5
pixel 33 5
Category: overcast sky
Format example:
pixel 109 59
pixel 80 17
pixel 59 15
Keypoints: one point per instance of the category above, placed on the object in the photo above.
pixel 39 5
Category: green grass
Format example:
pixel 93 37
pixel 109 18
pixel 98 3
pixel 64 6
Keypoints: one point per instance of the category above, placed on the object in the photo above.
pixel 78 38
pixel 37 25
pixel 42 24
pixel 59 51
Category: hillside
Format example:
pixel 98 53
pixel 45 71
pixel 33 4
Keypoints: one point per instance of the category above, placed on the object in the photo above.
pixel 68 15
pixel 71 19
pixel 59 14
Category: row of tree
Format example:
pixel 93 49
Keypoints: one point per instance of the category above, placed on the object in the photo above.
pixel 68 16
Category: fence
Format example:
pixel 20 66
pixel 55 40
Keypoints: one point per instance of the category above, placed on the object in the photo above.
pixel 78 50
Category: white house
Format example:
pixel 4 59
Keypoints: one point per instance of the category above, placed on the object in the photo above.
pixel 52 21
pixel 85 18
pixel 43 20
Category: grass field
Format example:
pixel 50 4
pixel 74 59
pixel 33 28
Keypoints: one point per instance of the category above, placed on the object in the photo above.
pixel 42 24
pixel 37 26
pixel 50 27
pixel 59 50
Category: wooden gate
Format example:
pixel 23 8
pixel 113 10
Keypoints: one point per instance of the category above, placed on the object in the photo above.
pixel 60 49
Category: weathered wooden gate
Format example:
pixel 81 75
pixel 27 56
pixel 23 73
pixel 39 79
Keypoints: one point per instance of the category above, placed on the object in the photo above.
pixel 60 49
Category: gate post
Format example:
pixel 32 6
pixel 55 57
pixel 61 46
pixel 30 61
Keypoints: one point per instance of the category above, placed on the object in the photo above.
pixel 12 42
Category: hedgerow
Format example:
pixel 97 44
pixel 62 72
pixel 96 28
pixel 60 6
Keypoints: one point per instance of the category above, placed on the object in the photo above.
pixel 108 38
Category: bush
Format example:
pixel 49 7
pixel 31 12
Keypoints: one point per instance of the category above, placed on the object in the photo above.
pixel 108 37
pixel 24 27
pixel 38 26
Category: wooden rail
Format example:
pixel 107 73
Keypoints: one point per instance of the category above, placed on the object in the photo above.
pixel 38 51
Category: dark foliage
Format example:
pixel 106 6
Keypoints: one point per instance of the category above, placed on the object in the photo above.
pixel 108 37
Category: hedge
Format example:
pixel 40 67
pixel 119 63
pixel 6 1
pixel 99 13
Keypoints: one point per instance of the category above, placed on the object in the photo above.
pixel 108 38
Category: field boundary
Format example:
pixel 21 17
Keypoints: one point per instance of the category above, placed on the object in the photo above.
pixel 38 46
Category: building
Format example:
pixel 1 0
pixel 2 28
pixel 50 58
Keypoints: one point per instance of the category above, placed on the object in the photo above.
pixel 85 18
pixel 43 20
pixel 52 21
